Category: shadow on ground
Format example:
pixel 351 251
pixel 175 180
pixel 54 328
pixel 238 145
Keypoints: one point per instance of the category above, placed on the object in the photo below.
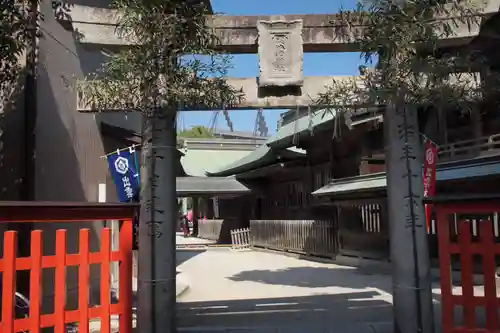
pixel 322 277
pixel 352 306
pixel 355 305
pixel 316 313
pixel 313 277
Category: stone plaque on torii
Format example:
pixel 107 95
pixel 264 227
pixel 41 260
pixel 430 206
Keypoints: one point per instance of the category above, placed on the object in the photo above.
pixel 280 51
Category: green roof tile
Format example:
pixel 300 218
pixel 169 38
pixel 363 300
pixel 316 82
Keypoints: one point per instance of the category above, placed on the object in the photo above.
pixel 285 136
pixel 279 144
pixel 378 181
pixel 260 157
pixel 187 186
pixel 198 162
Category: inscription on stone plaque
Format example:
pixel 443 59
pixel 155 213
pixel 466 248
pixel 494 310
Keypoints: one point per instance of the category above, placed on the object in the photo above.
pixel 281 62
pixel 280 53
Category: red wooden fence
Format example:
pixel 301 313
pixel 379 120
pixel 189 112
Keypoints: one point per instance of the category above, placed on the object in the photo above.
pixel 67 212
pixel 467 246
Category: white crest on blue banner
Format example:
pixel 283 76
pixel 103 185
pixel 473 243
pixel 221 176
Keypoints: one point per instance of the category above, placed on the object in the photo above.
pixel 121 165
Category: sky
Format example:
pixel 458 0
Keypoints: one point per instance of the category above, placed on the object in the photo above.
pixel 246 65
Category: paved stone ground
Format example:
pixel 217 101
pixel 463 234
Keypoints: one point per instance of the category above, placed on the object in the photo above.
pixel 183 241
pixel 182 279
pixel 253 291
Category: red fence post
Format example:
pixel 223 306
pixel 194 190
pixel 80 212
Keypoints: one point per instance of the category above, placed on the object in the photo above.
pixel 35 280
pixel 83 281
pixel 125 276
pixel 60 280
pixel 443 228
pixel 464 238
pixel 9 281
pixel 490 291
pixel 105 281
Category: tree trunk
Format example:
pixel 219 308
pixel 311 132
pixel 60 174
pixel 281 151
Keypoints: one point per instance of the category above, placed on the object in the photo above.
pixel 413 310
pixel 157 227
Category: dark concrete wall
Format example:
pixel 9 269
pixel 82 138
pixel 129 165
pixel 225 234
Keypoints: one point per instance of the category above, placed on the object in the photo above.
pixel 12 144
pixel 68 144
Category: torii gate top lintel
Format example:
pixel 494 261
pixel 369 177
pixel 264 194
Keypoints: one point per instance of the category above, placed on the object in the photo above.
pixel 280 42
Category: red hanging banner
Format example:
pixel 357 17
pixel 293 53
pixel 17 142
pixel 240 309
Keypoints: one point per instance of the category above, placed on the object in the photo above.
pixel 429 176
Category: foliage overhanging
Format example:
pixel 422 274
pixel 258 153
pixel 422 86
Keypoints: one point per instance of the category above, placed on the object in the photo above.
pixel 197 132
pixel 13 37
pixel 405 37
pixel 173 63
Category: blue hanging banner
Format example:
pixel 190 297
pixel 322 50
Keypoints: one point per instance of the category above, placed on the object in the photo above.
pixel 125 173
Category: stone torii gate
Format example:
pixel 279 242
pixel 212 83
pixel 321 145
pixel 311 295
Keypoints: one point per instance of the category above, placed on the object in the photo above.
pixel 280 42
pixel 280 47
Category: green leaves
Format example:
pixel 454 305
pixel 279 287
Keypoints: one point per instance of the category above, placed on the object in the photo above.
pixel 13 36
pixel 407 36
pixel 161 71
pixel 196 132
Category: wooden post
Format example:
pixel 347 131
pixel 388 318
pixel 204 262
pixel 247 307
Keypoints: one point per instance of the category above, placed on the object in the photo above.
pixel 476 122
pixel 477 127
pixel 442 127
